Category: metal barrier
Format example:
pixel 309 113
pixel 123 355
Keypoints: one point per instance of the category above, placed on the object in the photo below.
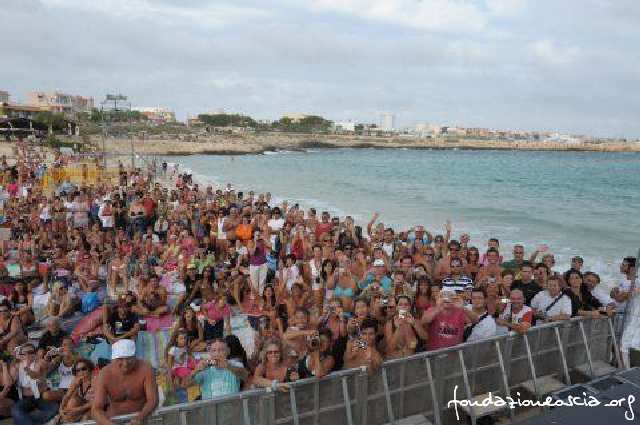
pixel 421 384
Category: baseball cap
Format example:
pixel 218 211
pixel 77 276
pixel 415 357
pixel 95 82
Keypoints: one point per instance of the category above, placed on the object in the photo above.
pixel 123 349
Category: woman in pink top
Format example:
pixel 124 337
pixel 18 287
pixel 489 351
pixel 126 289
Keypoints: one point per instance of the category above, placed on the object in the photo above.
pixel 218 318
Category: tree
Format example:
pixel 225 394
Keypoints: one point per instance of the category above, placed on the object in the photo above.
pixel 227 120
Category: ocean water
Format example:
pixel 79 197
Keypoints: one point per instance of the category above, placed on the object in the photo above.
pixel 578 203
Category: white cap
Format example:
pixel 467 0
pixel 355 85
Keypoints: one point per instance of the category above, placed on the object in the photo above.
pixel 122 349
pixel 379 262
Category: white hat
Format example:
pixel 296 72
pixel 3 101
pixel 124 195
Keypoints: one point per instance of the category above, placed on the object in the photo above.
pixel 122 349
pixel 379 263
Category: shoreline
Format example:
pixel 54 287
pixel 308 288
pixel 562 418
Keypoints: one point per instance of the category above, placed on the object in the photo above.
pixel 258 144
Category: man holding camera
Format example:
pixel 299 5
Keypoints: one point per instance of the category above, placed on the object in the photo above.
pixel 218 376
pixel 447 320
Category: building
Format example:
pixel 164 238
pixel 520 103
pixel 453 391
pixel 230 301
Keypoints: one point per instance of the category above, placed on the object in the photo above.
pixel 157 115
pixel 56 101
pixel 427 129
pixel 17 110
pixel 387 121
pixel 344 127
pixel 4 96
pixel 295 117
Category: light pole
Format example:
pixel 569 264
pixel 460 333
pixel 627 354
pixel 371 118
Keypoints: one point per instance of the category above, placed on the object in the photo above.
pixel 110 107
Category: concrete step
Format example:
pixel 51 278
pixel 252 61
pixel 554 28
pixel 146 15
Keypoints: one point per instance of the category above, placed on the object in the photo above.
pixel 600 368
pixel 413 420
pixel 546 384
pixel 482 410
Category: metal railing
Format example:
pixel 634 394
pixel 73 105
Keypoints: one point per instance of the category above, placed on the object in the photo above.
pixel 420 384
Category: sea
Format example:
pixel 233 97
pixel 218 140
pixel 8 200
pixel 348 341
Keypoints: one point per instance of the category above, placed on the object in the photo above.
pixel 577 203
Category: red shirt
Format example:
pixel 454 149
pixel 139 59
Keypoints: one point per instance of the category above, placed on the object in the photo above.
pixel 323 228
pixel 446 330
pixel 149 206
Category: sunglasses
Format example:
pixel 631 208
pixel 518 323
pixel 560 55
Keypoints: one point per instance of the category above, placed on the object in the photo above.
pixel 273 352
pixel 82 369
pixel 28 352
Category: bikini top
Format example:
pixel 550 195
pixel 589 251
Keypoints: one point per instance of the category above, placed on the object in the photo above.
pixel 340 292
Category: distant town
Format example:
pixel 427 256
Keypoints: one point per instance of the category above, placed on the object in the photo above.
pixel 56 112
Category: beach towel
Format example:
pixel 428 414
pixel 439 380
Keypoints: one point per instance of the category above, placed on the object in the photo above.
pixel 150 347
pixel 157 323
pixel 87 324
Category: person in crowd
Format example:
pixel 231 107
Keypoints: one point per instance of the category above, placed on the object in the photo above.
pixel 582 302
pixel 485 325
pixel 518 260
pixel 76 404
pixel 456 280
pixel 217 376
pixel 526 283
pixel 551 304
pixel 127 385
pixel 53 335
pixel 362 350
pixel 28 373
pixel 447 320
pixel 516 316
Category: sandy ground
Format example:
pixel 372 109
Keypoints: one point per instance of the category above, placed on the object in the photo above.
pixel 259 143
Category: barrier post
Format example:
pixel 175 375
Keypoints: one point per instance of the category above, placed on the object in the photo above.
pixel 586 346
pixel 505 379
pixel 434 393
pixel 467 387
pixel 362 384
pixel 532 367
pixel 387 396
pixel 347 400
pixel 559 340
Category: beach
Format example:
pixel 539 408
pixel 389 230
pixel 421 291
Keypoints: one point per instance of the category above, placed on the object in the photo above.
pixel 257 143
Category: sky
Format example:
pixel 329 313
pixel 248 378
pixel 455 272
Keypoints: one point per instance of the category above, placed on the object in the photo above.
pixel 571 66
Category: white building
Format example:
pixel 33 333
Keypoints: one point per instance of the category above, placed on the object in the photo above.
pixel 345 126
pixel 387 121
pixel 426 128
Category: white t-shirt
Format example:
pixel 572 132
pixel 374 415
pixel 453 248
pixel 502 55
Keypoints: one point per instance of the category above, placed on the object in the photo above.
pixel 276 225
pixel 485 328
pixel 624 286
pixel 543 299
pixel 602 295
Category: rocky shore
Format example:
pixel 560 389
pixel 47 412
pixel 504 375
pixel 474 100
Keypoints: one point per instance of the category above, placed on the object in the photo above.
pixel 250 143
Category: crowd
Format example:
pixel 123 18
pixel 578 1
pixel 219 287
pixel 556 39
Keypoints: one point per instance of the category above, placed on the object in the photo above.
pixel 249 293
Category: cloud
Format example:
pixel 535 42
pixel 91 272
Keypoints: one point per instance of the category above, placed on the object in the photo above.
pixel 505 8
pixel 548 52
pixel 209 15
pixel 419 14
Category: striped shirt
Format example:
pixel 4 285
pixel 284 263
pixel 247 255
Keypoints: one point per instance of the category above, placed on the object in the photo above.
pixel 459 285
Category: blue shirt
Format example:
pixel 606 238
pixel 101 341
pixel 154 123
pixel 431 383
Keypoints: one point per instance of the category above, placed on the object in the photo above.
pixel 385 282
pixel 215 382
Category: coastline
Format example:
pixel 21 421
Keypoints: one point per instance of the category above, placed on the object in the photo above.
pixel 259 143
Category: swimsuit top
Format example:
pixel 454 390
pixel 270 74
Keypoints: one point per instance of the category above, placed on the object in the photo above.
pixel 340 292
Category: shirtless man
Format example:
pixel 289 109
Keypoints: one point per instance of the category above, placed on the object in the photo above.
pixel 125 386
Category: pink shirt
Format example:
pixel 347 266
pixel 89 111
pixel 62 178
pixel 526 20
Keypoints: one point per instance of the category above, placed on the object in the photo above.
pixel 446 330
pixel 214 313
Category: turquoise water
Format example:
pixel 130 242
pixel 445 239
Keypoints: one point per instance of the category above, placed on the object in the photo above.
pixel 577 203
